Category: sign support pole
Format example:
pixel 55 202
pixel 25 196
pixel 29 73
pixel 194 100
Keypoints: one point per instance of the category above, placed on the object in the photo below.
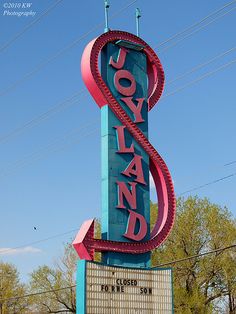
pixel 107 5
pixel 137 15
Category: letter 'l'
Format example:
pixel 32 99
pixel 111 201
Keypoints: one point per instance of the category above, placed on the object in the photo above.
pixel 121 140
pixel 130 231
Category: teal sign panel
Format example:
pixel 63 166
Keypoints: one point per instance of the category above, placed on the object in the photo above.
pixel 116 220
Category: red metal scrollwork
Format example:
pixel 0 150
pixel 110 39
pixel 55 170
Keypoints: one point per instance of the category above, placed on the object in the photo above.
pixel 85 244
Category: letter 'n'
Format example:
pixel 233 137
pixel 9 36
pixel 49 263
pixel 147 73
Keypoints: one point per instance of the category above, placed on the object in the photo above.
pixel 130 195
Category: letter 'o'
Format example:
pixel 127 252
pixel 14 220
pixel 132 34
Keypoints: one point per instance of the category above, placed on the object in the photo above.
pixel 125 90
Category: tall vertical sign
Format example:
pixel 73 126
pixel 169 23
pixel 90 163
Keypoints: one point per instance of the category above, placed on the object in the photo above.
pixel 125 164
pixel 126 83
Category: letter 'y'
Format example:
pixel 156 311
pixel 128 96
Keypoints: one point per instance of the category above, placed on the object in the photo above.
pixel 135 109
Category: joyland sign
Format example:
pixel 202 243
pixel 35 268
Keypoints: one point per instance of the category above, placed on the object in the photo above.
pixel 128 85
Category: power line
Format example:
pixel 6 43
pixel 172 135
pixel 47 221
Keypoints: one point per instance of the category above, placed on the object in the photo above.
pixel 38 241
pixel 37 293
pixel 75 230
pixel 230 163
pixel 199 79
pixel 60 52
pixel 73 99
pixel 196 256
pixel 169 94
pixel 43 64
pixel 28 26
pixel 197 30
pixel 158 266
pixel 208 183
pixel 213 169
pixel 45 115
pixel 200 66
pixel 50 148
pixel 195 24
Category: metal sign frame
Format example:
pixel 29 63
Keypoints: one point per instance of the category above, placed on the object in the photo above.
pixel 117 291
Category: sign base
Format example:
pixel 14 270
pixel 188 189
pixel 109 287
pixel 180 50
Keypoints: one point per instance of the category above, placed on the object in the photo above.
pixel 103 289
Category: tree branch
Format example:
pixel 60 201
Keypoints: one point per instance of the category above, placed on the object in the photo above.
pixel 213 297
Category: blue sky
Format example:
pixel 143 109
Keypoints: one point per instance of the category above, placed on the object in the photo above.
pixel 50 166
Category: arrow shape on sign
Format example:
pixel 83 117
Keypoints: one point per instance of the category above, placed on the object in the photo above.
pixel 85 244
pixel 83 239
